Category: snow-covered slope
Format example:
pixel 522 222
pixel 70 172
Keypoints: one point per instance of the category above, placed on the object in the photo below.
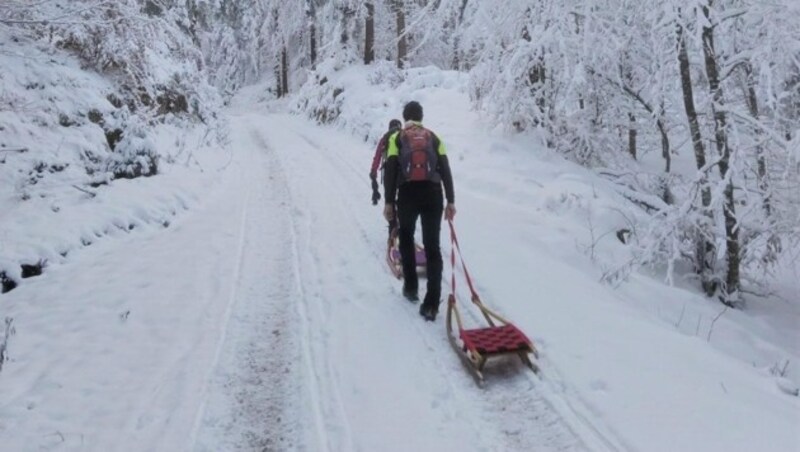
pixel 67 151
pixel 264 317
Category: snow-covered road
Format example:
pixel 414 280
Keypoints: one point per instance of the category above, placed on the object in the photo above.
pixel 341 361
pixel 261 316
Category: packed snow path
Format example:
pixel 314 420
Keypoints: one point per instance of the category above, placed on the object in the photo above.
pixel 321 352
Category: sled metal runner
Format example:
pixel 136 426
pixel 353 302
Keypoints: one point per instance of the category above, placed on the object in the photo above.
pixel 478 345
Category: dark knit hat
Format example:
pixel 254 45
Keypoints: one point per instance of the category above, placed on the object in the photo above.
pixel 395 124
pixel 412 111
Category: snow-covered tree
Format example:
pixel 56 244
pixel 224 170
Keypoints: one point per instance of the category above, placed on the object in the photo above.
pixel 611 84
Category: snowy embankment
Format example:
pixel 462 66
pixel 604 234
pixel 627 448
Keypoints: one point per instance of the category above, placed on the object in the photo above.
pixel 64 188
pixel 264 317
pixel 84 315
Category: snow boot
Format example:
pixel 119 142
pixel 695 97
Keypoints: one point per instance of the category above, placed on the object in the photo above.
pixel 429 310
pixel 410 294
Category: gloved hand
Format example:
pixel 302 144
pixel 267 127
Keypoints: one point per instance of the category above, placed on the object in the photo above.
pixel 376 195
pixel 388 212
pixel 449 212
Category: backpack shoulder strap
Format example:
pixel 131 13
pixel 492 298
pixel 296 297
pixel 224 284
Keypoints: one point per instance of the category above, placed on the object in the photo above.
pixel 393 144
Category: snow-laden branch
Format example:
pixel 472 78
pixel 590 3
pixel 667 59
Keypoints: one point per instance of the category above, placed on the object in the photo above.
pixel 58 20
pixel 748 119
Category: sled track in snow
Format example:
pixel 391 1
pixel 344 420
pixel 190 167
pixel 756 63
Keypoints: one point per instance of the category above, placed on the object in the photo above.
pixel 506 378
pixel 598 435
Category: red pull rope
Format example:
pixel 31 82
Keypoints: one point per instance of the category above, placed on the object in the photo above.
pixel 453 247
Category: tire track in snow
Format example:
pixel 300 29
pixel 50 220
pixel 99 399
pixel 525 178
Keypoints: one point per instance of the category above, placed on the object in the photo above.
pixel 256 395
pixel 332 431
pixel 235 278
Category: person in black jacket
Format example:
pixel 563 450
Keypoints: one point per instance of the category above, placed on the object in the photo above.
pixel 416 169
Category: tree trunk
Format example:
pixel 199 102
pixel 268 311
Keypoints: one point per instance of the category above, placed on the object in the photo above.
pixel 461 11
pixel 705 250
pixel 665 151
pixel 284 72
pixel 659 115
pixel 626 72
pixel 312 43
pixel 789 108
pixel 665 147
pixel 457 61
pixel 311 16
pixel 369 34
pixel 278 84
pixel 402 45
pixel 732 281
pixel 345 13
pixel 536 79
pixel 761 162
pixel 632 135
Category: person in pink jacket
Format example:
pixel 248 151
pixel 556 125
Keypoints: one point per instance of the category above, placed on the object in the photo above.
pixel 377 164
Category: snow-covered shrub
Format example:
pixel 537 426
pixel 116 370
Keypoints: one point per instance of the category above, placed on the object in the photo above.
pixel 385 73
pixel 321 97
pixel 321 100
pixel 134 155
pixel 129 151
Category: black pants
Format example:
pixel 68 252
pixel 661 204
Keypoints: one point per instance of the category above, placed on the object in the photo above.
pixel 422 200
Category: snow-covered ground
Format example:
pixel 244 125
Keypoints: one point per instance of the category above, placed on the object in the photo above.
pixel 263 316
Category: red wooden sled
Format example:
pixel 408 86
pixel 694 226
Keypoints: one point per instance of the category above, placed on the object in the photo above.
pixel 476 346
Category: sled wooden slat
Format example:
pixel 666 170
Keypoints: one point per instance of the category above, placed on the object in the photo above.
pixel 495 340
